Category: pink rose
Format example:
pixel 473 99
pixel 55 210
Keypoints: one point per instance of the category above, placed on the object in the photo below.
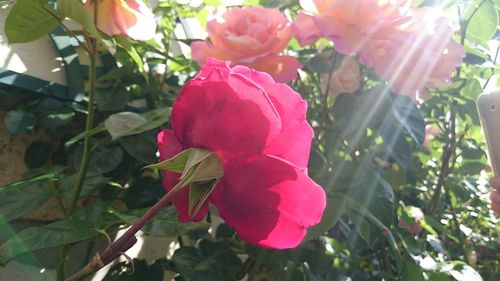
pixel 345 79
pixel 410 48
pixel 418 54
pixel 348 23
pixel 416 215
pixel 257 129
pixel 124 17
pixel 253 37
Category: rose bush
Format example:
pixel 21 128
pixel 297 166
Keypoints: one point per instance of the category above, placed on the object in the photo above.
pixel 250 36
pixel 257 129
pixel 124 17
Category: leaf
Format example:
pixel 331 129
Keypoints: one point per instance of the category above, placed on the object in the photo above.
pixel 19 122
pixel 105 159
pixel 175 164
pixel 213 261
pixel 75 10
pixel 483 22
pixel 82 225
pixel 408 115
pixel 164 224
pixel 111 98
pixel 81 136
pixel 462 271
pixel 130 123
pixel 412 271
pixel 134 55
pixel 29 20
pixel 198 194
pixel 23 197
pixel 37 154
pixel 142 147
pixel 90 183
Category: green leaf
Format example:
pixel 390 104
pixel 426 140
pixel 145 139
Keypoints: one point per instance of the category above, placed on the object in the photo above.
pixel 82 225
pixel 81 136
pixel 214 261
pixel 23 197
pixel 134 55
pixel 175 164
pixel 105 159
pixel 29 20
pixel 408 115
pixel 142 147
pixel 75 10
pixel 130 123
pixel 91 182
pixel 198 194
pixel 411 271
pixel 483 21
pixel 164 224
pixel 111 98
pixel 19 122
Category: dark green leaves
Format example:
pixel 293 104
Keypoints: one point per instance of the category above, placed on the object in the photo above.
pixel 213 261
pixel 80 226
pixel 20 198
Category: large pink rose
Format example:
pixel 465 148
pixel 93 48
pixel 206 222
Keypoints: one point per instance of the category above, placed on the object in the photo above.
pixel 124 17
pixel 250 36
pixel 258 130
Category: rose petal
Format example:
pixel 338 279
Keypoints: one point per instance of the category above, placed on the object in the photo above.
pixel 258 77
pixel 282 68
pixel 136 20
pixel 168 147
pixel 224 113
pixel 268 201
pixel 294 142
pixel 305 30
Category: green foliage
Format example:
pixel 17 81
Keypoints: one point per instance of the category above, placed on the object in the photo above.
pixel 30 20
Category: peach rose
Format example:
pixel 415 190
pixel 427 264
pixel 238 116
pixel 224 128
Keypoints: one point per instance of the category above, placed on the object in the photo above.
pixel 348 23
pixel 124 17
pixel 345 79
pixel 250 36
pixel 410 48
pixel 418 54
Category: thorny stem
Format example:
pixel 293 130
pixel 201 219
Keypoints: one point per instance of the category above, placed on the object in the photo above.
pixel 125 242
